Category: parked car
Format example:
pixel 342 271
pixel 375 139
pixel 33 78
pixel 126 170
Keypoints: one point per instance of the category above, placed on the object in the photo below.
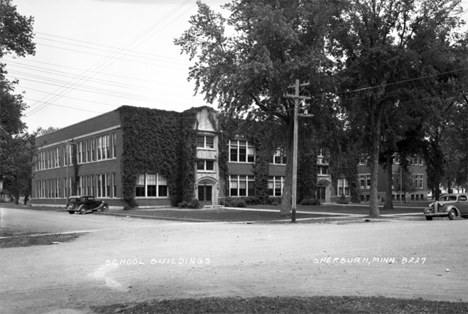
pixel 85 203
pixel 448 205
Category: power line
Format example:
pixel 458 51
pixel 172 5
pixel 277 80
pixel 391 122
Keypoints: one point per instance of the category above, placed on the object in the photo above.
pixel 78 69
pixel 100 66
pixel 169 59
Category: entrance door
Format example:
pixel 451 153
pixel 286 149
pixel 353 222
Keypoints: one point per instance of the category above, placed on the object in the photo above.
pixel 321 193
pixel 205 193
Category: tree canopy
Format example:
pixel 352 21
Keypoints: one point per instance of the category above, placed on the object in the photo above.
pixel 374 66
pixel 245 62
pixel 16 149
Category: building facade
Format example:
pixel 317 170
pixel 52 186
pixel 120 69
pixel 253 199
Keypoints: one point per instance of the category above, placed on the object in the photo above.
pixel 419 178
pixel 158 158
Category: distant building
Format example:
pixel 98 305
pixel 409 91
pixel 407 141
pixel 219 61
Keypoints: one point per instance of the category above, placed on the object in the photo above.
pixel 418 170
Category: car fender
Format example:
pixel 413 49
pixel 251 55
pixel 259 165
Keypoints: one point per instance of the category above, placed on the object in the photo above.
pixel 450 207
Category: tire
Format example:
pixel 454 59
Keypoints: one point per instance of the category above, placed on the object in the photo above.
pixel 83 210
pixel 452 214
pixel 71 212
pixel 105 208
pixel 428 217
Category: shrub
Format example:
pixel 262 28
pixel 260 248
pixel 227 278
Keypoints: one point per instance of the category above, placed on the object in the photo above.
pixel 252 200
pixel 194 204
pixel 342 200
pixel 310 201
pixel 274 201
pixel 129 204
pixel 239 202
pixel 183 204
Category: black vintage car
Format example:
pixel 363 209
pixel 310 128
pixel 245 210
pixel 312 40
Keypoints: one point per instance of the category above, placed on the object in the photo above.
pixel 85 203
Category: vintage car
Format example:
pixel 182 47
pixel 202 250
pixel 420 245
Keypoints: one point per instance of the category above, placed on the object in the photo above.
pixel 85 203
pixel 449 205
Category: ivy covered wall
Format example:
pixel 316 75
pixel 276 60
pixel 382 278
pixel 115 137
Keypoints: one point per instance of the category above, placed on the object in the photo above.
pixel 158 141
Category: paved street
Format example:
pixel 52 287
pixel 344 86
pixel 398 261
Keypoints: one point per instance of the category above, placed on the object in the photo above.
pixel 129 259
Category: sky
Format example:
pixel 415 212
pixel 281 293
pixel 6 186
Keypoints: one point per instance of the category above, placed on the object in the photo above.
pixel 93 56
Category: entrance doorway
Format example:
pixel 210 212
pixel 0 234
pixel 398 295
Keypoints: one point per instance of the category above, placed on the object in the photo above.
pixel 321 193
pixel 205 194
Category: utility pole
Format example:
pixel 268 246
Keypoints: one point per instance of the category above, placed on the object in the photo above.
pixel 296 96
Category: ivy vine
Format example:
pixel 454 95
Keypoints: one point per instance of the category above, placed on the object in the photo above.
pixel 158 141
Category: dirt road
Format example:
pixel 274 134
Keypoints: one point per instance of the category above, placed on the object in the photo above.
pixel 140 261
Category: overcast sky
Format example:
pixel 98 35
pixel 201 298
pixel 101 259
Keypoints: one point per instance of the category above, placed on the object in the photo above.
pixel 93 56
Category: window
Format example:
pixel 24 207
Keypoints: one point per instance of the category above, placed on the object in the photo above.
pixel 140 186
pixel 205 165
pixel 418 180
pixel 364 181
pixel 363 160
pixel 323 170
pixel 101 185
pixel 80 153
pixel 278 157
pixel 115 185
pixel 275 186
pixel 151 185
pixel 114 145
pixel 205 141
pixel 241 185
pixel 99 148
pixel 93 149
pixel 241 151
pixel 343 187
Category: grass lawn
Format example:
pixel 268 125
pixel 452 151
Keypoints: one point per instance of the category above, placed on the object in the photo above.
pixel 317 304
pixel 222 215
pixel 358 209
pixel 22 241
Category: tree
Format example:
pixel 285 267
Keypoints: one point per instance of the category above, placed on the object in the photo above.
pixel 382 49
pixel 273 43
pixel 18 178
pixel 15 145
pixel 40 131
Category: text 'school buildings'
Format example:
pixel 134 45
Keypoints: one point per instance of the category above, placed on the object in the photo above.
pixel 158 157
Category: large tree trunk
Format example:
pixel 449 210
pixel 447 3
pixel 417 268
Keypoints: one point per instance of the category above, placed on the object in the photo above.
pixel 389 180
pixel 286 199
pixel 374 165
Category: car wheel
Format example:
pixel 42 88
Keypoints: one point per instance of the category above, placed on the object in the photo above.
pixel 105 208
pixel 428 218
pixel 71 212
pixel 452 214
pixel 83 210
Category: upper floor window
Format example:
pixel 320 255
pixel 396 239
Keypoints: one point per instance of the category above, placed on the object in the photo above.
pixel 205 165
pixel 365 181
pixel 241 151
pixel 323 170
pixel 278 157
pixel 418 180
pixel 205 141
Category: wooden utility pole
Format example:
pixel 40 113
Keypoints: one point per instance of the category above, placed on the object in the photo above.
pixel 297 97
